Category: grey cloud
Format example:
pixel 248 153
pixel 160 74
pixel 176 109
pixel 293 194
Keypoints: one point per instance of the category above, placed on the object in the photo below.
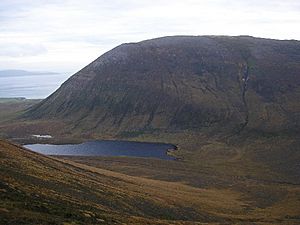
pixel 21 50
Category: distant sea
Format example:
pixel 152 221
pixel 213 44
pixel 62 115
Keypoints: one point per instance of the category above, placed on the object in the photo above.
pixel 30 86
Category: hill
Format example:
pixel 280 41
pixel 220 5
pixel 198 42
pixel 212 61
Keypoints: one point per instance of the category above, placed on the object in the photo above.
pixel 183 83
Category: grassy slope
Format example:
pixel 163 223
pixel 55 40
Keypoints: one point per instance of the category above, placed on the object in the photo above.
pixel 10 109
pixel 38 189
pixel 11 127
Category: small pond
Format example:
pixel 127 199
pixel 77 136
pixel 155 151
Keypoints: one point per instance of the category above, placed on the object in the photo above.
pixel 106 148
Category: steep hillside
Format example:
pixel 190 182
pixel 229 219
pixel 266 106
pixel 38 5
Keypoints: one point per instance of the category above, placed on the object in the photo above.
pixel 36 189
pixel 183 82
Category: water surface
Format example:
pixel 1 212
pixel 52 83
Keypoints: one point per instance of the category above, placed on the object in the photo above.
pixel 106 148
pixel 30 86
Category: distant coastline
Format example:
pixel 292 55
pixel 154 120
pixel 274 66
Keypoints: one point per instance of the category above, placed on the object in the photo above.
pixel 18 73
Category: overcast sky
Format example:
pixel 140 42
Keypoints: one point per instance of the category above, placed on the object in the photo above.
pixel 65 35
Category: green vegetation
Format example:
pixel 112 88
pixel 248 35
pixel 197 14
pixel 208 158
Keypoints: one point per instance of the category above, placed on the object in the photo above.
pixel 10 108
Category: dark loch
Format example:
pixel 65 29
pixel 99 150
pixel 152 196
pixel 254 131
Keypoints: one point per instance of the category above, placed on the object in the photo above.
pixel 107 148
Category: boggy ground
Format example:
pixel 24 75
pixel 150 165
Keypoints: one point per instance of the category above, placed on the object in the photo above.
pixel 263 170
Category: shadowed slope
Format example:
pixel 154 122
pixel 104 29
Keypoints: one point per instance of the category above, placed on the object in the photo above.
pixel 183 82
